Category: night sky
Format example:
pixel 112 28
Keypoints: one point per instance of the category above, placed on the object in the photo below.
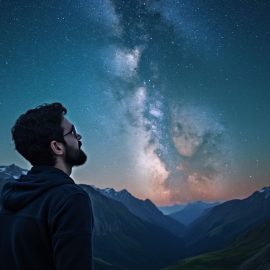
pixel 171 97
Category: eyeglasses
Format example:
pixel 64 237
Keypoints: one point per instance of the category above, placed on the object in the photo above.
pixel 72 131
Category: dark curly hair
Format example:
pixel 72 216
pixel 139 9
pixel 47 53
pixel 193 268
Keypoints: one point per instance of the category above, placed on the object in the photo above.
pixel 35 129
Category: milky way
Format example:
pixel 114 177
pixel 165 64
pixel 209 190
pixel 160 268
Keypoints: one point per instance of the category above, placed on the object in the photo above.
pixel 170 96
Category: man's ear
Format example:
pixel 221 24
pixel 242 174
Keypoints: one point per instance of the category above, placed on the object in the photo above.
pixel 57 148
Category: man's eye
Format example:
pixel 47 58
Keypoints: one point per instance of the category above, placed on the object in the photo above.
pixel 74 131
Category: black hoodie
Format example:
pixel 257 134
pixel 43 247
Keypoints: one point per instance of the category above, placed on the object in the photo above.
pixel 46 223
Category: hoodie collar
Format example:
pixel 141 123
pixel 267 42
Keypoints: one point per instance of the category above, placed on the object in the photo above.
pixel 17 194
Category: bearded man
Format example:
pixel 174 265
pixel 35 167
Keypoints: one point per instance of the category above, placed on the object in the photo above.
pixel 46 219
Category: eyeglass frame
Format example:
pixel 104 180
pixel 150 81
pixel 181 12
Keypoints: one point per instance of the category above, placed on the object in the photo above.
pixel 72 131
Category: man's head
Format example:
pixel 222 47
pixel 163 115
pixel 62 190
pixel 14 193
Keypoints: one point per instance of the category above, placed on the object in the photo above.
pixel 44 136
pixel 74 156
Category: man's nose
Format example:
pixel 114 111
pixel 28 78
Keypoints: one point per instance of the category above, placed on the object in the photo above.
pixel 78 136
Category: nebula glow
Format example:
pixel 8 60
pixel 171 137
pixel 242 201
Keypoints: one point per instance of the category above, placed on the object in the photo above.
pixel 171 97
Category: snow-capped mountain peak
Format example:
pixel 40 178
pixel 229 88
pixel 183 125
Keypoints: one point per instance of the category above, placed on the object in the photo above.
pixel 11 172
pixel 112 193
pixel 265 191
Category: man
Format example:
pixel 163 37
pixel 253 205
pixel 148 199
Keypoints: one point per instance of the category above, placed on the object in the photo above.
pixel 46 220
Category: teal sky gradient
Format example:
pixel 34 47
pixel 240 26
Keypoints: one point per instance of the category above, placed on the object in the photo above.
pixel 171 97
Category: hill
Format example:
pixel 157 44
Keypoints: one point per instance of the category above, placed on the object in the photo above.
pixel 249 252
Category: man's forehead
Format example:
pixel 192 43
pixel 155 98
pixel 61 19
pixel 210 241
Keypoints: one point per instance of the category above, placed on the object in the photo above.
pixel 66 124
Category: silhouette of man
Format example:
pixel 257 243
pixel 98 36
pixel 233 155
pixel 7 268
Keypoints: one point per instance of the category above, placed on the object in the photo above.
pixel 46 220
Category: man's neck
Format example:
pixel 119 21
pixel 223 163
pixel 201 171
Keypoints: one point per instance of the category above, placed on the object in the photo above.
pixel 63 167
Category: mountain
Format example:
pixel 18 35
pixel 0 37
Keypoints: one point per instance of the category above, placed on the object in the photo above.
pixel 222 224
pixel 250 251
pixel 145 210
pixel 124 240
pixel 8 173
pixel 191 212
pixel 11 172
pixel 167 210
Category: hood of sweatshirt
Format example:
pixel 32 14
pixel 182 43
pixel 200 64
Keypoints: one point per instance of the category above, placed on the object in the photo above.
pixel 17 194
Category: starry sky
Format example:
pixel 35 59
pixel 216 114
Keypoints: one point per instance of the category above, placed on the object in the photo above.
pixel 171 97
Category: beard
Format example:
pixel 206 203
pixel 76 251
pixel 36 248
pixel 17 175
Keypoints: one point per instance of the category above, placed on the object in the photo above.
pixel 75 157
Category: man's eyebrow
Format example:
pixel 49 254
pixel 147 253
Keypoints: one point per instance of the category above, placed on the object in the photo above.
pixel 69 128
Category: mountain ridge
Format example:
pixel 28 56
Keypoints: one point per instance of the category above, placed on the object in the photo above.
pixel 220 226
pixel 124 241
pixel 146 210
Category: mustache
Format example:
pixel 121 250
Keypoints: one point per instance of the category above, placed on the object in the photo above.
pixel 80 144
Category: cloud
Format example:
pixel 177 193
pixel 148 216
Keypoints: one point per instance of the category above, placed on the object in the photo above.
pixel 125 62
pixel 122 63
pixel 138 103
pixel 191 128
pixel 132 105
pixel 189 22
pixel 155 109
pixel 202 146
pixel 174 13
pixel 179 153
pixel 102 13
pixel 150 169
pixel 147 160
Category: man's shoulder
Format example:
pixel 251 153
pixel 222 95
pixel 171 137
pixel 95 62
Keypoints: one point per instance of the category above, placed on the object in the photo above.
pixel 68 190
pixel 59 196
